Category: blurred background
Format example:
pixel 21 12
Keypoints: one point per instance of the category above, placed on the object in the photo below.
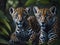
pixel 7 25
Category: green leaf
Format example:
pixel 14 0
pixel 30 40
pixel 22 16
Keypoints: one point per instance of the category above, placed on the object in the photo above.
pixel 6 24
pixel 2 41
pixel 44 1
pixel 4 20
pixel 4 31
pixel 12 3
pixel 30 2
pixel 3 16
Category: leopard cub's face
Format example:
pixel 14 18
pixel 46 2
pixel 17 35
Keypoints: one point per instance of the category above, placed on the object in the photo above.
pixel 45 16
pixel 16 13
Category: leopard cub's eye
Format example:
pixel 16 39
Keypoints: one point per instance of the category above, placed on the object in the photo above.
pixel 48 13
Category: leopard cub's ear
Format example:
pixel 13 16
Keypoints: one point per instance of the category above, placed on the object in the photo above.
pixel 27 10
pixel 35 9
pixel 11 10
pixel 53 10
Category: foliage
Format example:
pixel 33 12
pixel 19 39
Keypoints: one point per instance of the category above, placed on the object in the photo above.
pixel 12 3
pixel 44 2
pixel 3 41
pixel 30 2
pixel 4 28
pixel 55 42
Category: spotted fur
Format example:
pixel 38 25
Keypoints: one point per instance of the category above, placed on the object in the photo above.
pixel 17 15
pixel 46 18
pixel 35 28
pixel 21 32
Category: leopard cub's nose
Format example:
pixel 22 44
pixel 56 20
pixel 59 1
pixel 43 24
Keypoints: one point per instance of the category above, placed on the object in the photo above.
pixel 43 22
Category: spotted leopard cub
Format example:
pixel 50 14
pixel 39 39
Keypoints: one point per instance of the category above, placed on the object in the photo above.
pixel 22 31
pixel 47 19
pixel 17 16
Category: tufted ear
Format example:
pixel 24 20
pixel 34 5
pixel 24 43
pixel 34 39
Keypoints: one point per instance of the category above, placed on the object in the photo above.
pixel 35 9
pixel 53 10
pixel 11 10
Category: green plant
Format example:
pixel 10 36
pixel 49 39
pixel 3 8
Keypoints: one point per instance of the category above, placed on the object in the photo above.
pixel 4 29
pixel 12 3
